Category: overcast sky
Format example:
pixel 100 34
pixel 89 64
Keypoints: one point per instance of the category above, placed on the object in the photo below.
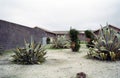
pixel 61 14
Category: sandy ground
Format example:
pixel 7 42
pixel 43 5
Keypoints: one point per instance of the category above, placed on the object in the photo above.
pixel 61 64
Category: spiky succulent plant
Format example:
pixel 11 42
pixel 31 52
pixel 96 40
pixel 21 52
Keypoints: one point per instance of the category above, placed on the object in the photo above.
pixel 60 42
pixel 32 53
pixel 107 44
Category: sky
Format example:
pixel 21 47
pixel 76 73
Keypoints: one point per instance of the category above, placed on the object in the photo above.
pixel 60 15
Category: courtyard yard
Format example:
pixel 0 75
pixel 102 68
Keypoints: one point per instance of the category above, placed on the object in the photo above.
pixel 60 63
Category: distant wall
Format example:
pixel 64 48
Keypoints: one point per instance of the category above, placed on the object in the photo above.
pixel 82 37
pixel 13 35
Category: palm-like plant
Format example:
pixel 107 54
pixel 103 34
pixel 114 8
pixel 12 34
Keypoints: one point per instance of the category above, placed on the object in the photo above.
pixel 32 53
pixel 108 39
pixel 107 45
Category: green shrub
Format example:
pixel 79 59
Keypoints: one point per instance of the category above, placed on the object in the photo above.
pixel 107 45
pixel 75 42
pixel 60 42
pixel 89 34
pixel 83 42
pixel 90 44
pixel 32 53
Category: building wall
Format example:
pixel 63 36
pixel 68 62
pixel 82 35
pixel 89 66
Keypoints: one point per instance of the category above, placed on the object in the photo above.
pixel 82 37
pixel 13 35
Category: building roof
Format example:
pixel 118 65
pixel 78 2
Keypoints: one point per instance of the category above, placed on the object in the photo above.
pixel 44 30
pixel 66 32
pixel 28 27
pixel 60 32
pixel 111 26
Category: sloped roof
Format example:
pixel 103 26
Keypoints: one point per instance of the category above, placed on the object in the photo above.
pixel 44 30
pixel 28 27
pixel 111 26
pixel 66 32
pixel 61 32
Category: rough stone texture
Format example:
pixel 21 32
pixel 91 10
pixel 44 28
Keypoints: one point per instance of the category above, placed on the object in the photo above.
pixel 12 35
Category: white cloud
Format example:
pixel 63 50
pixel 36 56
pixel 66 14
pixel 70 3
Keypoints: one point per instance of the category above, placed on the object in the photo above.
pixel 61 14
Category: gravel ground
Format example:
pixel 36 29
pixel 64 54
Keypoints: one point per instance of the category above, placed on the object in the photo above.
pixel 60 64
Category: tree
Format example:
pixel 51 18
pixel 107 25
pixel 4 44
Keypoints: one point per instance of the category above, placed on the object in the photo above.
pixel 75 42
pixel 90 36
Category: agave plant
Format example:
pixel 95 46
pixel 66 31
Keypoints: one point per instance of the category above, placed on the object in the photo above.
pixel 61 42
pixel 32 53
pixel 107 44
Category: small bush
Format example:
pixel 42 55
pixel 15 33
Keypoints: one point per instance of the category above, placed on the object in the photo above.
pixel 75 42
pixel 83 42
pixel 90 36
pixel 32 53
pixel 60 42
